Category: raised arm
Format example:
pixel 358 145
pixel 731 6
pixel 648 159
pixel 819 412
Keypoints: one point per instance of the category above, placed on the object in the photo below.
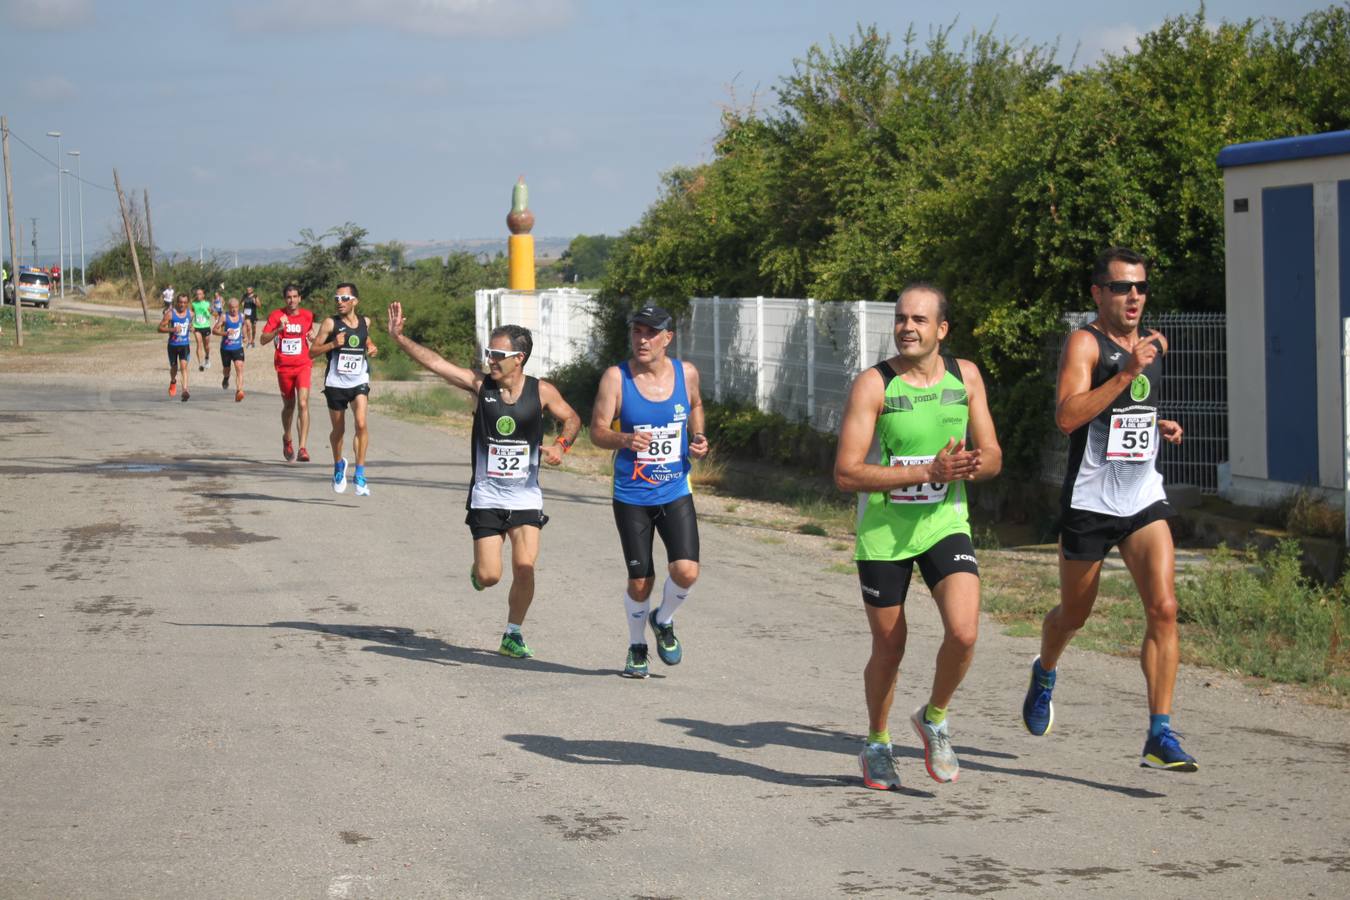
pixel 460 377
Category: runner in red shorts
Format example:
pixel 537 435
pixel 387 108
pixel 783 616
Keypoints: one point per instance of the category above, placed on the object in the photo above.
pixel 292 328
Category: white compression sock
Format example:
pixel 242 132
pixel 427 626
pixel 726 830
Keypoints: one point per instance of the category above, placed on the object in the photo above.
pixel 672 597
pixel 637 619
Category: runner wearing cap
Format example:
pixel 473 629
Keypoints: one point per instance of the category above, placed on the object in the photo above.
pixel 649 409
pixel 346 339
pixel 293 328
pixel 505 500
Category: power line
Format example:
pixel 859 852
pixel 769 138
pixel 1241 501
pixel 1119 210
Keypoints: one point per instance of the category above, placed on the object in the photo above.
pixel 40 156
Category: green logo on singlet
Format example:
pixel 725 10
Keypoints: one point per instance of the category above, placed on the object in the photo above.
pixel 1140 388
pixel 353 340
pixel 506 425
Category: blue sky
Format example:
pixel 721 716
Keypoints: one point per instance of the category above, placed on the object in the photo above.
pixel 248 120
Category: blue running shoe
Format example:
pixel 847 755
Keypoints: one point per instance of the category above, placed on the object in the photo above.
pixel 636 664
pixel 1038 712
pixel 340 476
pixel 362 489
pixel 667 644
pixel 1163 751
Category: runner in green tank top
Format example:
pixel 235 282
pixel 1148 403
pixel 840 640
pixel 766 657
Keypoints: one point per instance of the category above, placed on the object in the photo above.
pixel 929 416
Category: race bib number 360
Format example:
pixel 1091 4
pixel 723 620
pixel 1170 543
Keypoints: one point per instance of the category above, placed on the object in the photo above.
pixel 666 444
pixel 290 346
pixel 508 460
pixel 917 493
pixel 1133 436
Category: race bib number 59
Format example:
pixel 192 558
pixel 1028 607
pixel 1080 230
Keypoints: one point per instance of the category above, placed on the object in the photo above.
pixel 928 492
pixel 1133 436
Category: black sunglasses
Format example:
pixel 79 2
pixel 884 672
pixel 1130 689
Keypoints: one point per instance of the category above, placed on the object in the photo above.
pixel 1120 288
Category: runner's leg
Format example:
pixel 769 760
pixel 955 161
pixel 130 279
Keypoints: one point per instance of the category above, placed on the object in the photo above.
pixel 487 559
pixel 338 417
pixel 302 402
pixel 1151 559
pixel 887 624
pixel 1078 580
pixel 524 553
pixel 361 439
pixel 958 602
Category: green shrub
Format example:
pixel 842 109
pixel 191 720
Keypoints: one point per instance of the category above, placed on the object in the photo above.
pixel 1263 616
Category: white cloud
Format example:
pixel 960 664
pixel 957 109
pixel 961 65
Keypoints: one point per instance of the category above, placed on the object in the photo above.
pixel 1109 40
pixel 49 89
pixel 430 18
pixel 49 15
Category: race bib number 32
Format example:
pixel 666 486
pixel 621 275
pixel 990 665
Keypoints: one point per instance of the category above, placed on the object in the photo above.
pixel 508 460
pixel 917 493
pixel 1133 436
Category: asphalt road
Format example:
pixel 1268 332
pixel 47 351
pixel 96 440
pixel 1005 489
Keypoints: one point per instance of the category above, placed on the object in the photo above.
pixel 220 679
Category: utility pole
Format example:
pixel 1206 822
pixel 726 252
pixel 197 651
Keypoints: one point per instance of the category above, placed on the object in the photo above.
pixel 34 221
pixel 14 257
pixel 131 243
pixel 150 237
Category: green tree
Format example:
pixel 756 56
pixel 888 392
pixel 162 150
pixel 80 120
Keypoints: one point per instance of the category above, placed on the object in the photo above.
pixel 586 257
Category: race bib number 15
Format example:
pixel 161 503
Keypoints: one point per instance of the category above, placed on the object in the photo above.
pixel 917 493
pixel 290 346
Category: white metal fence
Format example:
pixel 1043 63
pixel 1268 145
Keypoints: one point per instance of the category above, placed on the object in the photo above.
pixel 797 358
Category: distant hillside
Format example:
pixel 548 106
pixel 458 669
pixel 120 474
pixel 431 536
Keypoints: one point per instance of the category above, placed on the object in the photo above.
pixel 544 248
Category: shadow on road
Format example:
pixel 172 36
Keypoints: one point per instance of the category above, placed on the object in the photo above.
pixel 809 737
pixel 662 756
pixel 404 643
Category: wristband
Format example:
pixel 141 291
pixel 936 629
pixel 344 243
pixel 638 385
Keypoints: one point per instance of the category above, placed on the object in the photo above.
pixel 566 444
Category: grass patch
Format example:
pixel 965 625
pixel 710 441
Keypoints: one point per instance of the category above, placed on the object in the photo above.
pixel 46 331
pixel 430 402
pixel 811 528
pixel 392 364
pixel 1252 613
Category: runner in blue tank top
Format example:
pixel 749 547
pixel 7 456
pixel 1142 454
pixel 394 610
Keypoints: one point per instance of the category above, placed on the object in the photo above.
pixel 230 326
pixel 177 324
pixel 649 410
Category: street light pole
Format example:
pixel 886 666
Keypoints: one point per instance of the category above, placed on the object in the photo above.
pixel 79 168
pixel 60 213
pixel 69 264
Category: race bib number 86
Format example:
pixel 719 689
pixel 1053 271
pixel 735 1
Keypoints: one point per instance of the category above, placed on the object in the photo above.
pixel 666 444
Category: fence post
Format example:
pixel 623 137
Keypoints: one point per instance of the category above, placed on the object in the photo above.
pixel 759 352
pixel 717 349
pixel 1345 419
pixel 811 360
pixel 862 334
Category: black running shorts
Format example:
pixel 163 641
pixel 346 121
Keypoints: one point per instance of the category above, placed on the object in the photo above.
pixel 676 522
pixel 885 582
pixel 484 523
pixel 179 354
pixel 1089 536
pixel 339 398
pixel 231 356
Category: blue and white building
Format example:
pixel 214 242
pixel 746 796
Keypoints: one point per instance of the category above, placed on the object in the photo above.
pixel 1287 243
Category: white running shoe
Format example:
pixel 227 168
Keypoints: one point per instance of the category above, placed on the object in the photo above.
pixel 340 476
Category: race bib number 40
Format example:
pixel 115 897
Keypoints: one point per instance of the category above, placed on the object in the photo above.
pixel 1133 436
pixel 290 346
pixel 667 443
pixel 508 460
pixel 350 363
pixel 917 493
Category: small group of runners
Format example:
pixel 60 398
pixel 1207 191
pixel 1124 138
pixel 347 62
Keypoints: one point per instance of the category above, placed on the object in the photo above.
pixel 916 429
pixel 927 415
pixel 190 322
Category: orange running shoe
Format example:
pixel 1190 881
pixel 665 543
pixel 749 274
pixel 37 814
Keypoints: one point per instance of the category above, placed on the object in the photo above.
pixel 238 396
pixel 173 388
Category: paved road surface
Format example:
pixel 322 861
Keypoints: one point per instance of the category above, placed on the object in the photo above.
pixel 219 679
